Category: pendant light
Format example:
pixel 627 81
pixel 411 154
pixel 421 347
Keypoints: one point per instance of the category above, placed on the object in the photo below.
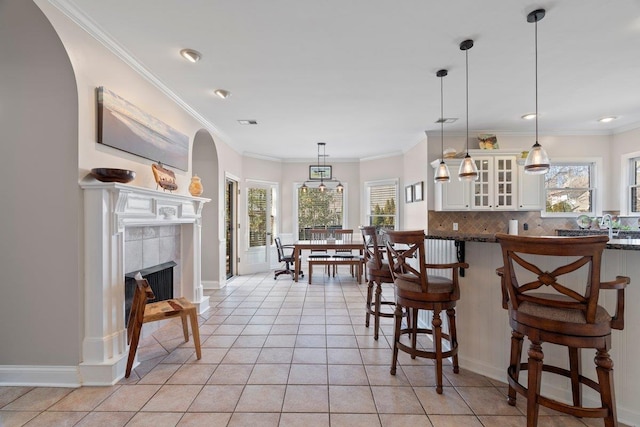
pixel 468 170
pixel 442 171
pixel 537 160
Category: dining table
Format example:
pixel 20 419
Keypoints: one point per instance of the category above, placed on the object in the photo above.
pixel 320 245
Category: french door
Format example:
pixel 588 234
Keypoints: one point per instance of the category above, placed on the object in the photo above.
pixel 261 221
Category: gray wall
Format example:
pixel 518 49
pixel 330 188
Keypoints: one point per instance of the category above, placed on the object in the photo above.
pixel 40 222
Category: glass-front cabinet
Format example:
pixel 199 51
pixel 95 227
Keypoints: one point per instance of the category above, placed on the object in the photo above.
pixel 497 184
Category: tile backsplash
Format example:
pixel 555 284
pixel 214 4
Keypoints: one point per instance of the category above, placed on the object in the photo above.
pixel 477 222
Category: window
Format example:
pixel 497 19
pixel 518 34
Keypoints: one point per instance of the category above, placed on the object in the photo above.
pixel 570 188
pixel 381 204
pixel 319 209
pixel 634 185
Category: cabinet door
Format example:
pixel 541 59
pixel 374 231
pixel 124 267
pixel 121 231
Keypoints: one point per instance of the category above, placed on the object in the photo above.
pixel 454 195
pixel 530 191
pixel 505 183
pixel 482 194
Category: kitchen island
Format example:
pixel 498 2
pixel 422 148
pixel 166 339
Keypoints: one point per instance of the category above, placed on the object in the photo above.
pixel 484 333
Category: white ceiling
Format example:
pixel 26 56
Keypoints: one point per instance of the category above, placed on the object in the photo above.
pixel 360 74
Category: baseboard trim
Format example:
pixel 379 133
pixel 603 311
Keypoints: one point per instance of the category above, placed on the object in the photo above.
pixel 40 376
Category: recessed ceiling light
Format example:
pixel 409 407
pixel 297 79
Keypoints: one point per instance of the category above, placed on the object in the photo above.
pixel 190 55
pixel 529 116
pixel 446 120
pixel 607 119
pixel 248 122
pixel 224 94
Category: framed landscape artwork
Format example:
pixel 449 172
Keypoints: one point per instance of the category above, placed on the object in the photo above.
pixel 318 172
pixel 124 126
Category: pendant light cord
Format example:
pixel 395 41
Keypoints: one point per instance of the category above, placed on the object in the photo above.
pixel 466 55
pixel 441 119
pixel 536 73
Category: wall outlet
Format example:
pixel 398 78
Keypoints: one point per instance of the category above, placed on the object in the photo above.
pixel 455 226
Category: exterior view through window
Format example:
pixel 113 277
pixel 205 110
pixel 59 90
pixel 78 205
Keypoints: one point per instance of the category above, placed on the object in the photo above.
pixel 258 217
pixel 635 184
pixel 319 209
pixel 382 206
pixel 569 188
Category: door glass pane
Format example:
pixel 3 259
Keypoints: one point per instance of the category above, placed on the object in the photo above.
pixel 257 207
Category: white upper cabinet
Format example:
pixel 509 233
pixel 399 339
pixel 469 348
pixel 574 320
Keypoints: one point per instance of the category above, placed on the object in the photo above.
pixel 501 185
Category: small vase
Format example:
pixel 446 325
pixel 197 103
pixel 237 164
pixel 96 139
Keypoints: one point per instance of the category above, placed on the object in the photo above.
pixel 195 188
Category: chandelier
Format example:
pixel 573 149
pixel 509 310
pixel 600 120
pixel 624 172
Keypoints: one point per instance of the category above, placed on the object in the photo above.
pixel 321 172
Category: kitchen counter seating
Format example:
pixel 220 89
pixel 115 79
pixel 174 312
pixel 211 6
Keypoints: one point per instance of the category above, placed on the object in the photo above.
pixel 542 307
pixel 416 291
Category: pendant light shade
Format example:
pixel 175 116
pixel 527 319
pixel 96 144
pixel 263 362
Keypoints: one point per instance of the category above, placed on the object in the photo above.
pixel 537 160
pixel 468 170
pixel 442 171
pixel 340 187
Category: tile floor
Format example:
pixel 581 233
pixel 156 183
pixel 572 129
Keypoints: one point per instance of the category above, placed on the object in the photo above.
pixel 276 353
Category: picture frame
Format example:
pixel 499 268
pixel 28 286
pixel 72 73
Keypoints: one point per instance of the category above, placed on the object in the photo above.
pixel 123 126
pixel 418 192
pixel 408 193
pixel 320 172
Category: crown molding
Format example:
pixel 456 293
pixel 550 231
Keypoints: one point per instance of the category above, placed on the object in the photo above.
pixel 69 9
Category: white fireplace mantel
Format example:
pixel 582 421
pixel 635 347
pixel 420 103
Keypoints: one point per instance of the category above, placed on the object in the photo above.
pixel 108 209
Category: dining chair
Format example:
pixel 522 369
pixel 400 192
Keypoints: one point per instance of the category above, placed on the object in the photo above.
pixel 319 235
pixel 287 259
pixel 560 307
pixel 141 313
pixel 377 273
pixel 345 236
pixel 415 291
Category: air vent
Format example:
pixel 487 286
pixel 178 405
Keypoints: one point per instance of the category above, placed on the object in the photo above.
pixel 446 120
pixel 248 122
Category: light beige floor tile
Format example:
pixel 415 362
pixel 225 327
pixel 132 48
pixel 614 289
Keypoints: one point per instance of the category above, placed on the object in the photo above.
pixel 301 419
pixel 506 420
pixel 340 329
pixel 344 356
pixel 179 355
pixel 367 341
pixel 403 420
pixel 37 399
pixel 106 419
pixel 242 355
pixel 269 374
pixel 209 356
pixel 376 356
pixel 231 374
pixel 455 421
pixel 306 398
pixel 316 328
pixel 280 341
pixel 239 419
pixel 16 418
pixel 9 394
pixel 308 374
pixel 160 374
pixel 486 401
pixel 466 378
pixel 341 341
pixel 447 403
pixel 204 419
pixel 275 355
pixel 192 374
pixel 351 399
pixel 155 419
pixel 310 355
pixel 311 341
pixel 261 398
pixel 422 376
pixel 172 398
pixel 347 375
pixel 245 341
pixel 219 341
pixel 354 420
pixel 83 399
pixel 396 400
pixel 128 398
pixel 217 398
pixel 284 329
pixel 380 375
pixel 58 419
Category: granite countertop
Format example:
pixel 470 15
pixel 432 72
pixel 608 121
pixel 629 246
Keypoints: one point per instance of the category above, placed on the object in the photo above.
pixel 632 244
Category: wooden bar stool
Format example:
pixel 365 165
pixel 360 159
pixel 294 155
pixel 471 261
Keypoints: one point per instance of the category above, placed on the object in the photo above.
pixel 559 315
pixel 416 291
